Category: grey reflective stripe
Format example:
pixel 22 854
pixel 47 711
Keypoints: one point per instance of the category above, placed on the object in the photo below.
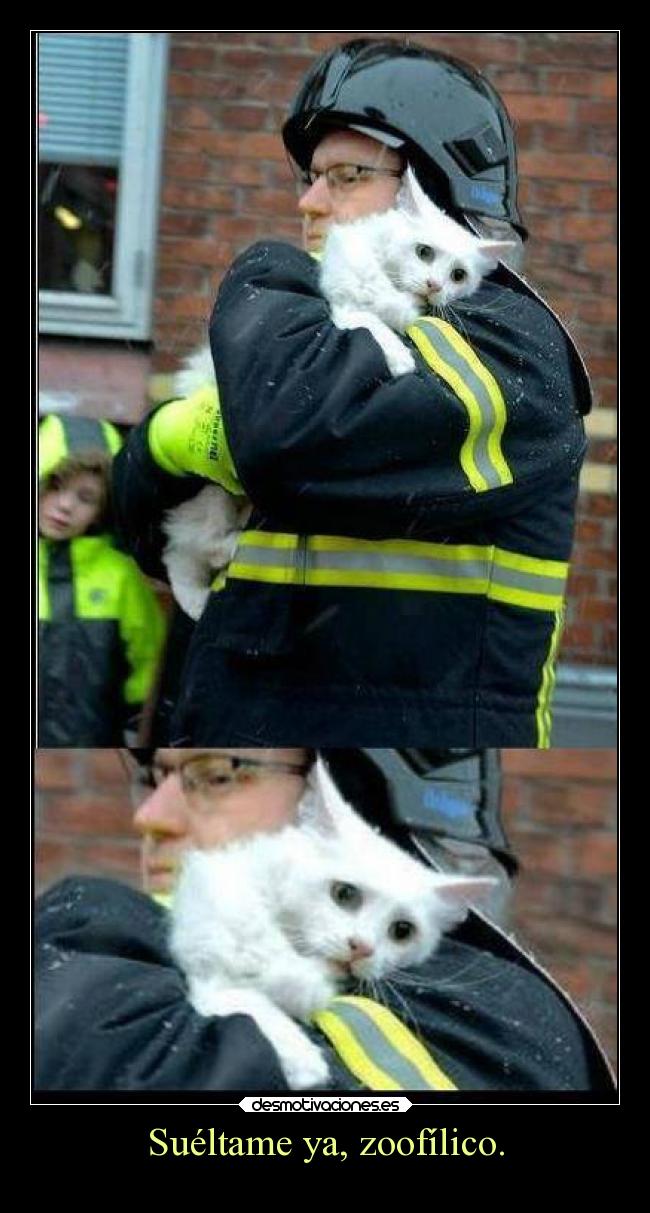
pixel 367 562
pixel 60 583
pixel 538 583
pixel 485 570
pixel 489 420
pixel 83 434
pixel 378 1048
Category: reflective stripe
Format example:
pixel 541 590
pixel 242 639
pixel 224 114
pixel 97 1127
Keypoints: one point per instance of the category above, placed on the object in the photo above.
pixel 377 1047
pixel 400 564
pixel 60 586
pixel 543 713
pixel 83 434
pixel 450 356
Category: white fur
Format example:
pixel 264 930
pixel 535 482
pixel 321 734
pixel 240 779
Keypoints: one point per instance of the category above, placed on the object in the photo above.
pixel 257 931
pixel 374 278
pixel 202 533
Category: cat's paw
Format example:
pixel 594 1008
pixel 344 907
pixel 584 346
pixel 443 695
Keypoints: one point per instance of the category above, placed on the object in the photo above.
pixel 399 358
pixel 305 1068
pixel 191 598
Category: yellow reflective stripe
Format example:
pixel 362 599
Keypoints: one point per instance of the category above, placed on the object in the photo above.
pixel 543 713
pixel 44 605
pixel 447 353
pixel 267 539
pixel 495 435
pixel 399 564
pixel 351 1053
pixel 378 1048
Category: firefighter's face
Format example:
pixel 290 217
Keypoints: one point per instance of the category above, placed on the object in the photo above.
pixel 198 801
pixel 324 203
pixel 68 508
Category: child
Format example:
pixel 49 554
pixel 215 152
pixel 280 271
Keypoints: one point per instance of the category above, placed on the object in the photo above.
pixel 101 627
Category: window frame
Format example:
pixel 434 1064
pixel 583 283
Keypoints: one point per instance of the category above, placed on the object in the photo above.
pixel 127 311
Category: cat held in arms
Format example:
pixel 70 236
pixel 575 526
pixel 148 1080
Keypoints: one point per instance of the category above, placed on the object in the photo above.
pixel 378 273
pixel 274 925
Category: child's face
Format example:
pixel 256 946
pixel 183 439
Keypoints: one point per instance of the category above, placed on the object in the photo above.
pixel 69 509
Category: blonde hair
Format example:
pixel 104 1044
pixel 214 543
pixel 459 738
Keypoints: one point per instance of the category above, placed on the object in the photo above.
pixel 94 462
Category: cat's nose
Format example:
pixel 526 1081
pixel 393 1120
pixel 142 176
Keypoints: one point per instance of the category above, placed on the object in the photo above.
pixel 434 287
pixel 359 950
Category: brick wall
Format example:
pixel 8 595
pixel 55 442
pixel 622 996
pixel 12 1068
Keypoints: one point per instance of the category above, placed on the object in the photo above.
pixel 226 184
pixel 559 811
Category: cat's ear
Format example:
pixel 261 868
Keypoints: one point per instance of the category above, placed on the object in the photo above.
pixel 496 250
pixel 411 197
pixel 458 893
pixel 321 806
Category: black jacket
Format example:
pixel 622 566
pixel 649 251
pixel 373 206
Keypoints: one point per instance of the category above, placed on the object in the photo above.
pixel 438 613
pixel 111 1012
pixel 101 631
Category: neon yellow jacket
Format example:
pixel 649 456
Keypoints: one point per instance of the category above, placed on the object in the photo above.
pixel 101 631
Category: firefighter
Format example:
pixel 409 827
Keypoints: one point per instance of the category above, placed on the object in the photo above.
pixel 402 577
pixel 101 628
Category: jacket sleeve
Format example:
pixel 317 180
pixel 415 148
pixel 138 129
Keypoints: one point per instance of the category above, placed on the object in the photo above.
pixel 111 1012
pixel 142 628
pixel 315 421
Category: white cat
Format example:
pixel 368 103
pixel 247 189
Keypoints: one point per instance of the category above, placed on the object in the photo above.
pixel 383 271
pixel 272 926
pixel 379 273
pixel 202 533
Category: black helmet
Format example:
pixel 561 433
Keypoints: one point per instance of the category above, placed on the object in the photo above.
pixel 426 795
pixel 454 125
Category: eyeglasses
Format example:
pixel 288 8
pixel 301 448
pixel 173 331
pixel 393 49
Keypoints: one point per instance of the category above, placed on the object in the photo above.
pixel 342 178
pixel 207 777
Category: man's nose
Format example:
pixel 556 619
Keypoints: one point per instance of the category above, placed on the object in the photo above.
pixel 316 199
pixel 163 809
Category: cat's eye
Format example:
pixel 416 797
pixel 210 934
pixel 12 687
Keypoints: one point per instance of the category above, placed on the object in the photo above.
pixel 425 252
pixel 458 274
pixel 401 930
pixel 348 896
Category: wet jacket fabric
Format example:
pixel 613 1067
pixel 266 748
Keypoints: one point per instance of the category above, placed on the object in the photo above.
pixel 406 561
pixel 101 631
pixel 111 1011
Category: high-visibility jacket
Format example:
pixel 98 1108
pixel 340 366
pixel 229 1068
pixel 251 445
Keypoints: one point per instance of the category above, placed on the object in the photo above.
pixel 101 631
pixel 402 578
pixel 112 1014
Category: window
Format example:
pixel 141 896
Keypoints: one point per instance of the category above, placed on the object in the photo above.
pixel 100 115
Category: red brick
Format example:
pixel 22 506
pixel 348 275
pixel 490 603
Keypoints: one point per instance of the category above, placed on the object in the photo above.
pixel 105 767
pixel 189 116
pixel 596 856
pixel 604 84
pixel 601 257
pixel 191 59
pixel 572 81
pixel 265 144
pixel 597 113
pixel 567 167
pixel 556 194
pixel 561 48
pixel 602 198
pixel 243 117
pixel 56 769
pixel 85 814
pixel 531 107
pixel 187 306
pixel 186 167
pixel 588 227
pixel 567 764
pixel 180 278
pixel 195 197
